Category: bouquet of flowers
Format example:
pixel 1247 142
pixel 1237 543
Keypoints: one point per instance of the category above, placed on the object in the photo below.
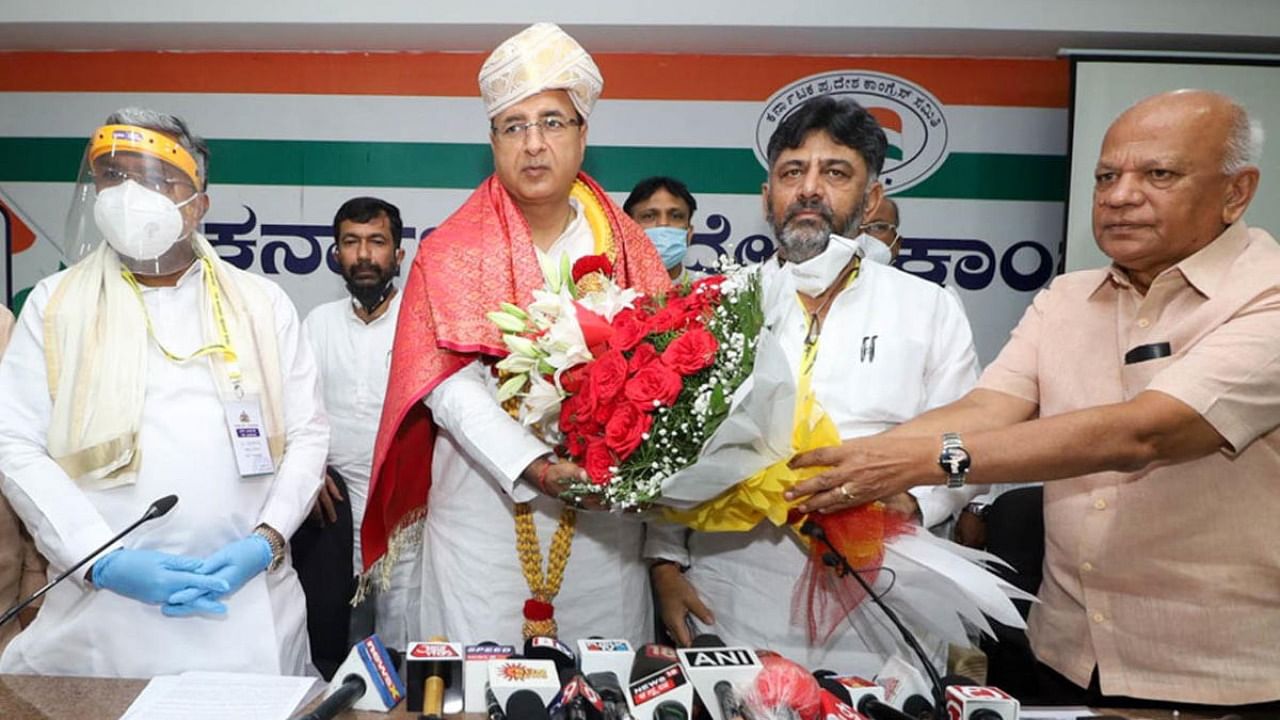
pixel 628 386
pixel 688 401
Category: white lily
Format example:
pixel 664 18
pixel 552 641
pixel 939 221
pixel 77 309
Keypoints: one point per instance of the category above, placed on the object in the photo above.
pixel 512 387
pixel 610 301
pixel 514 310
pixel 517 363
pixel 506 323
pixel 521 345
pixel 543 400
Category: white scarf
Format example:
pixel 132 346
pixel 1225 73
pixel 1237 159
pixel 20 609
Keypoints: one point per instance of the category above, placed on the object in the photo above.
pixel 95 344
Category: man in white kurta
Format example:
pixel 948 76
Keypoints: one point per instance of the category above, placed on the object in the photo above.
pixel 352 340
pixel 889 347
pixel 539 88
pixel 184 448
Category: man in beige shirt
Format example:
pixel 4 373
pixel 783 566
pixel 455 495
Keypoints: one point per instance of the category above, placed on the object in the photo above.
pixel 1150 391
pixel 21 567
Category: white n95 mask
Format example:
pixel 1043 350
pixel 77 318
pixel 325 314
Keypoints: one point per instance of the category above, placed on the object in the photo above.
pixel 813 276
pixel 874 251
pixel 137 222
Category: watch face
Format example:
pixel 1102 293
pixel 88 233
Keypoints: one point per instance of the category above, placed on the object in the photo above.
pixel 954 461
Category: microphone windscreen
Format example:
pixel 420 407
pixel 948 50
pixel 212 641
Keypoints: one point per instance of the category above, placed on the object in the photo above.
pixel 526 705
pixel 707 640
pixel 549 648
pixel 918 706
pixel 949 680
pixel 162 506
pixel 784 684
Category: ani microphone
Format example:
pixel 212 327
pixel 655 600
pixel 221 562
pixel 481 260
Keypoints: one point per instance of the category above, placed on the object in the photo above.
pixel 158 508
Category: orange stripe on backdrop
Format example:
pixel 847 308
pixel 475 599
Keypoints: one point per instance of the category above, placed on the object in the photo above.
pixel 955 81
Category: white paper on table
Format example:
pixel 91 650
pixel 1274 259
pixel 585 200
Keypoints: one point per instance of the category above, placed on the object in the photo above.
pixel 1055 713
pixel 218 696
pixel 754 435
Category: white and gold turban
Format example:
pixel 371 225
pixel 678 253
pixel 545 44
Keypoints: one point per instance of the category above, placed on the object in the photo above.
pixel 539 58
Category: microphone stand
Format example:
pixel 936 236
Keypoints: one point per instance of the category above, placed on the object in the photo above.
pixel 158 508
pixel 833 558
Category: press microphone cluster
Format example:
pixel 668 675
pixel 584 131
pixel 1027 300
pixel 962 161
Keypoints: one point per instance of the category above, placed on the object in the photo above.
pixel 158 508
pixel 366 680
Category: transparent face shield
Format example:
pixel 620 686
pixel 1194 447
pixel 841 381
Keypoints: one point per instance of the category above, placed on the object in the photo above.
pixel 139 192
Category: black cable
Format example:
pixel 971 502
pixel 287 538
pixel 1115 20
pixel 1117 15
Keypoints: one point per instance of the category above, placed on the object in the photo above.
pixel 813 530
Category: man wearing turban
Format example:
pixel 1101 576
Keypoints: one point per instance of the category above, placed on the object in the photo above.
pixel 500 551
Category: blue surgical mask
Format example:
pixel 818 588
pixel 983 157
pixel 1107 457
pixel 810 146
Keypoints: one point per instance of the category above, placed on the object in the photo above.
pixel 671 243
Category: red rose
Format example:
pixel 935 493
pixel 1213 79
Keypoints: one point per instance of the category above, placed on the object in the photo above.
pixel 692 351
pixel 592 263
pixel 623 433
pixel 597 461
pixel 629 330
pixel 705 294
pixel 577 413
pixel 644 354
pixel 653 382
pixel 672 317
pixel 571 379
pixel 606 375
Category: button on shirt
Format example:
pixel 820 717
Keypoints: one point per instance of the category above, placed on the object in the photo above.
pixel 354 359
pixel 1167 579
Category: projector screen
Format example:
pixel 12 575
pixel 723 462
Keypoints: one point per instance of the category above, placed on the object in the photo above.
pixel 1104 86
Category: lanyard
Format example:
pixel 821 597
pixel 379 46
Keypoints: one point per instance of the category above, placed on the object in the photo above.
pixel 219 318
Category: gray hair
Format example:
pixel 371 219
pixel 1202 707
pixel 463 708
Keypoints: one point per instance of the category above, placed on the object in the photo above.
pixel 1244 143
pixel 169 125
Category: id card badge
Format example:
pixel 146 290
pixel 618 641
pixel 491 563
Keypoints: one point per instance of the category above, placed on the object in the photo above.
pixel 248 435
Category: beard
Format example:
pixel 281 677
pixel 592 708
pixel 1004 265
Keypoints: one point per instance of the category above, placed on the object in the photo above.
pixel 806 239
pixel 369 291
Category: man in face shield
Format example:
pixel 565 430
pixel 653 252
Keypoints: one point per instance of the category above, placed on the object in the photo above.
pixel 148 368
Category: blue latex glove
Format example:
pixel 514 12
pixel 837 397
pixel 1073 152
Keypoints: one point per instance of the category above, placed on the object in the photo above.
pixel 153 577
pixel 236 564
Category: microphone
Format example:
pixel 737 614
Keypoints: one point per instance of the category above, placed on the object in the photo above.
pixel 475 672
pixel 659 686
pixel 158 508
pixel 867 701
pixel 717 672
pixel 976 702
pixel 918 707
pixel 434 672
pixel 493 708
pixel 784 689
pixel 610 689
pixel 526 705
pixel 578 700
pixel 512 675
pixel 834 558
pixel 367 666
pixel 542 647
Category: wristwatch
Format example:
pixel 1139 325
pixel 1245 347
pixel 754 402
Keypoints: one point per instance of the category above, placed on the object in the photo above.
pixel 276 541
pixel 954 460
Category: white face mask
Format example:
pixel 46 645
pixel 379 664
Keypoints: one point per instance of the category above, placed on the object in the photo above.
pixel 137 222
pixel 815 275
pixel 874 250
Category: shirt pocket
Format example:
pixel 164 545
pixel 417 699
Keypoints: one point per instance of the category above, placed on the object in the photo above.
pixel 873 379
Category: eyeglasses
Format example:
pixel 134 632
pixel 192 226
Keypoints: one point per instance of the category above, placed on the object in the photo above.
pixel 551 127
pixel 882 230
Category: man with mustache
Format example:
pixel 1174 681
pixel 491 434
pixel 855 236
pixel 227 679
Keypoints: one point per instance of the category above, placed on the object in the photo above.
pixel 1145 395
pixel 878 346
pixel 352 341
pixel 455 474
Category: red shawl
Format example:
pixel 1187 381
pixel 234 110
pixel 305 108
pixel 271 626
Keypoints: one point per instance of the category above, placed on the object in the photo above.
pixel 480 257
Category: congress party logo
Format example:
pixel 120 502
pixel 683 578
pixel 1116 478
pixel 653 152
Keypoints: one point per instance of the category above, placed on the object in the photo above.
pixel 913 120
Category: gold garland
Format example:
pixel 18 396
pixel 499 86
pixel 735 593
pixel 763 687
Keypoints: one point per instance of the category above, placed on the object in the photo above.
pixel 542 587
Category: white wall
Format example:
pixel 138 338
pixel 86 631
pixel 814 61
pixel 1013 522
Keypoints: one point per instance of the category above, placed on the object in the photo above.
pixel 930 27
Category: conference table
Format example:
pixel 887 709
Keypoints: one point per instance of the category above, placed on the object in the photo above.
pixel 31 697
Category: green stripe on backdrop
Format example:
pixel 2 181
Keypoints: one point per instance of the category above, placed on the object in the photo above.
pixel 965 176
